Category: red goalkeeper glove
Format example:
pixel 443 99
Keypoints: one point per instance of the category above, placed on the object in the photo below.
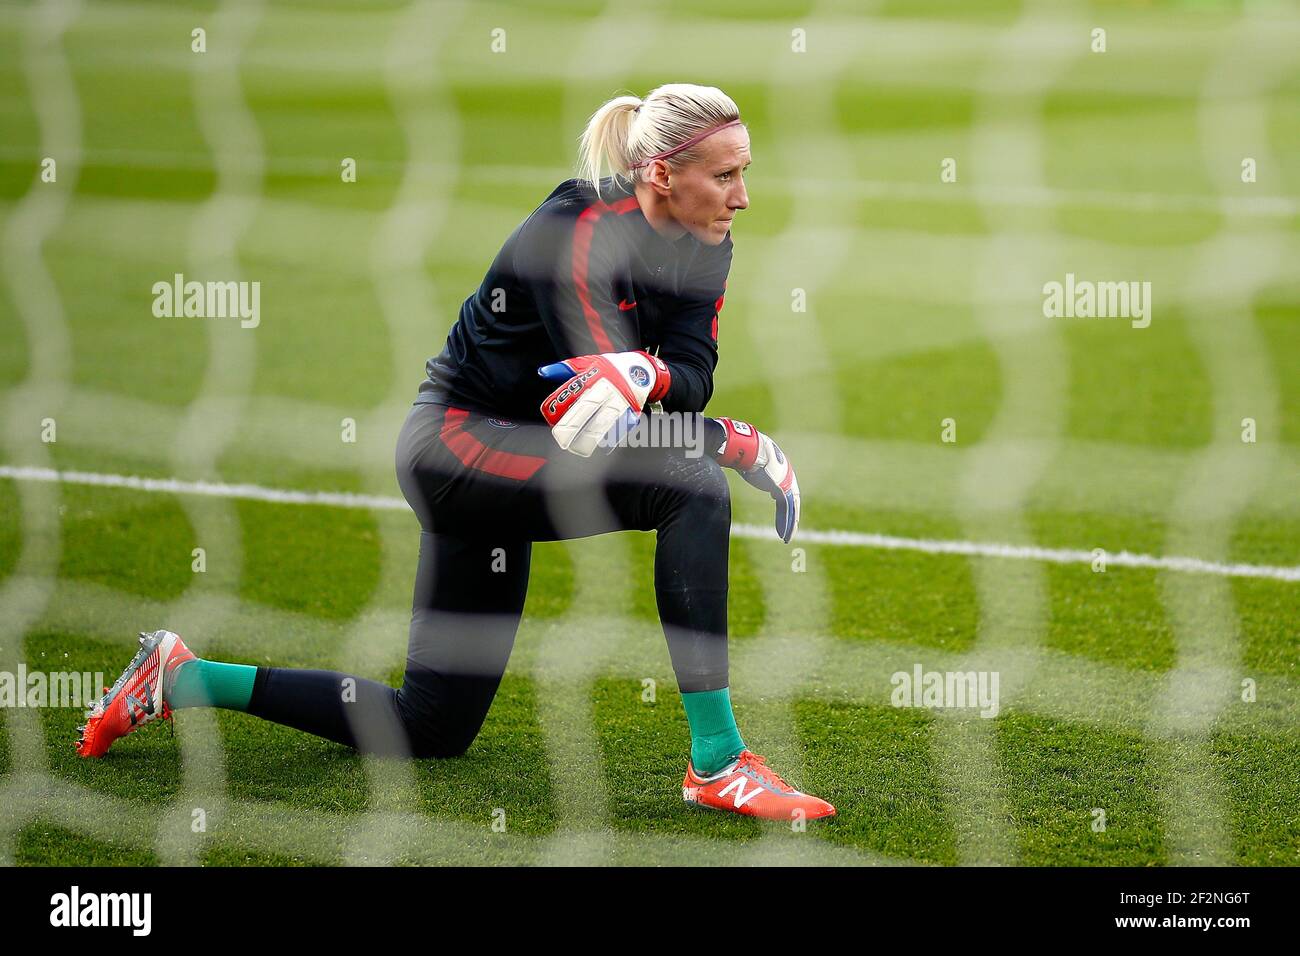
pixel 761 463
pixel 601 398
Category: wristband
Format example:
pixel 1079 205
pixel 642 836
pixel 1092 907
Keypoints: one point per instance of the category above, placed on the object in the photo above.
pixel 740 451
pixel 663 379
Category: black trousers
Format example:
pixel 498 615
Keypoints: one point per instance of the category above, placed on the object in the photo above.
pixel 484 489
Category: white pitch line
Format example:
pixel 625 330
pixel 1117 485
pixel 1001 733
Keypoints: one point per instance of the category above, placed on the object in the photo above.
pixel 854 539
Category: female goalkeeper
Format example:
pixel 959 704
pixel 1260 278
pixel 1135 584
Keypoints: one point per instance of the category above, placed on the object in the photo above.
pixel 597 320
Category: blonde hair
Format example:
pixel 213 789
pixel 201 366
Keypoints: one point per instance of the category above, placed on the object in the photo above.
pixel 626 130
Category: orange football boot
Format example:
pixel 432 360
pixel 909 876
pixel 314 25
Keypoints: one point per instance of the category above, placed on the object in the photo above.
pixel 750 787
pixel 137 697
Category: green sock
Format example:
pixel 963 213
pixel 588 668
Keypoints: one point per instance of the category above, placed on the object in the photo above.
pixel 715 741
pixel 200 683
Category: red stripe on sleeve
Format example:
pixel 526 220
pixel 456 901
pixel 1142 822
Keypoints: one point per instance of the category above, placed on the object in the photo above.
pixel 582 234
pixel 717 308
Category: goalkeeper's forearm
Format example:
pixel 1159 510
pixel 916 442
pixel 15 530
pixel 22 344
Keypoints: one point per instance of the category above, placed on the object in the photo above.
pixel 715 436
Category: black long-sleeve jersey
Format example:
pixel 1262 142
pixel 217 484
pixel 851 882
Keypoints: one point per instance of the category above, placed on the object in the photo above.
pixel 584 274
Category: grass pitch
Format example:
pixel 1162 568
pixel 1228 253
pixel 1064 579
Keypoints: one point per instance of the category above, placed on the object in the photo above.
pixel 1147 716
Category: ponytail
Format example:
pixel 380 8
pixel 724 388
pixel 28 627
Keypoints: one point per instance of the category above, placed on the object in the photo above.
pixel 627 131
pixel 606 139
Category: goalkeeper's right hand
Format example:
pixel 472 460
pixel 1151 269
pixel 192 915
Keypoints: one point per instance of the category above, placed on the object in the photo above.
pixel 761 463
pixel 601 397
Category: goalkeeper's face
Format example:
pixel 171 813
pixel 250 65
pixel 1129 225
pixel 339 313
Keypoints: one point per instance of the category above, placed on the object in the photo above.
pixel 705 196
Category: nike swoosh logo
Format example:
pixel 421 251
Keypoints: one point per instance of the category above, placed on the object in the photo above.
pixel 626 306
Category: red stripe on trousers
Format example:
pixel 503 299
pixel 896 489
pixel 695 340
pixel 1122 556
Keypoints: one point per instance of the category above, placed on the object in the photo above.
pixel 478 456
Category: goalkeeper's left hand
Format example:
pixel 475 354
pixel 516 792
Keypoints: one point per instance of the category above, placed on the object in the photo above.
pixel 601 398
pixel 761 463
